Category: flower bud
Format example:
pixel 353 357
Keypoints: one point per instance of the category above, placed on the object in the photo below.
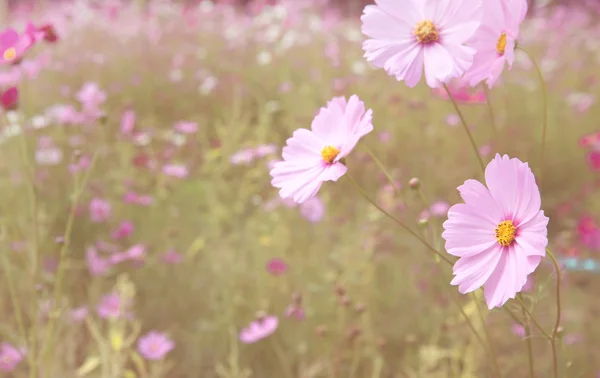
pixel 414 183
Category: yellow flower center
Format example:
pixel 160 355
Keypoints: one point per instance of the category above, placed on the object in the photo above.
pixel 505 233
pixel 329 154
pixel 9 54
pixel 501 45
pixel 426 32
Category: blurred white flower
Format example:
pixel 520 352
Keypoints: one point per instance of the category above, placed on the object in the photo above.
pixel 263 58
pixel 208 85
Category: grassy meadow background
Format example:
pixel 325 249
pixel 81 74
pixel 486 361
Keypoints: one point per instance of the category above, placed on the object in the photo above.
pixel 140 152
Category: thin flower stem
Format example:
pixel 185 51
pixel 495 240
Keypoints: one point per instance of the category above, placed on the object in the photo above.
pixel 79 189
pixel 398 221
pixel 466 127
pixel 530 315
pixel 281 357
pixel 512 315
pixel 490 108
pixel 487 335
pixel 558 312
pixel 381 167
pixel 13 298
pixel 544 109
pixel 527 327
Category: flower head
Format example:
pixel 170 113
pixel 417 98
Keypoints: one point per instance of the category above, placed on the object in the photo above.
pixel 99 210
pixel 408 36
pixel 10 357
pixel 313 209
pixel 314 156
pixel 496 39
pixel 259 329
pixel 112 306
pixel 155 345
pixel 499 233
pixel 13 46
pixel 277 266
pixel 9 99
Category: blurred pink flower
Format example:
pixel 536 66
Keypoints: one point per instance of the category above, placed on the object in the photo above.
pixel 244 156
pixel 48 156
pixel 124 230
pixel 591 140
pixel 78 314
pixel 97 265
pixel 277 266
pixel 259 329
pixel 264 150
pixel 495 40
pixel 499 233
pixel 407 37
pixel 13 46
pixel 154 345
pixel 175 170
pixel 518 330
pixel 313 209
pixel 186 127
pixel 294 311
pixel 593 158
pixel 573 338
pixel 171 257
pixel 485 150
pixel 10 357
pixel 452 120
pixel 100 210
pixel 136 252
pixel 314 156
pixel 112 306
pixel 589 232
pixel 137 199
pixel 91 96
pixel 128 122
pixel 82 163
pixel 439 209
pixel 9 98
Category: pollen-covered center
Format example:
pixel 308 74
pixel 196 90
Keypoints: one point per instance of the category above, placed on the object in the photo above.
pixel 9 54
pixel 501 45
pixel 505 233
pixel 426 32
pixel 329 154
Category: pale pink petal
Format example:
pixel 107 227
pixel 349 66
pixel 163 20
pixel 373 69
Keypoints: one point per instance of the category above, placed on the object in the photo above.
pixel 473 271
pixel 506 280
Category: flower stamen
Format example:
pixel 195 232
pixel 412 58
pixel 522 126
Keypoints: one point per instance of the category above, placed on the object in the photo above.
pixel 426 32
pixel 505 233
pixel 501 45
pixel 329 154
pixel 9 54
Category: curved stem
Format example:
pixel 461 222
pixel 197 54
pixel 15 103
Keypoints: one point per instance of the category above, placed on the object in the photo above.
pixel 544 109
pixel 490 108
pixel 558 312
pixel 527 326
pixel 381 167
pixel 398 221
pixel 466 127
pixel 487 335
pixel 530 315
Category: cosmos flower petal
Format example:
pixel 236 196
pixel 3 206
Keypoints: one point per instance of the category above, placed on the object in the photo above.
pixel 379 24
pixel 473 271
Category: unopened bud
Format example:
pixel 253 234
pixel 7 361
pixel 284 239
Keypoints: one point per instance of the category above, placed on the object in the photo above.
pixel 414 183
pixel 353 333
pixel 423 222
pixel 345 301
pixel 360 308
pixel 340 290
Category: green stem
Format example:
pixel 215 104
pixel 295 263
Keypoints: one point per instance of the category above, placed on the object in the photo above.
pixel 558 313
pixel 466 127
pixel 544 109
pixel 487 335
pixel 381 167
pixel 398 221
pixel 527 327
pixel 530 315
pixel 490 108
pixel 79 189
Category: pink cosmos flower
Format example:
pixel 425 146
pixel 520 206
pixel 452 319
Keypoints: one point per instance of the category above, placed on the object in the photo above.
pixel 112 306
pixel 124 230
pixel 313 209
pixel 128 122
pixel 499 233
pixel 277 266
pixel 78 314
pixel 99 210
pixel 408 36
pixel 136 252
pixel 97 265
pixel 259 329
pixel 171 257
pixel 91 96
pixel 155 345
pixel 9 99
pixel 589 232
pixel 591 140
pixel 314 156
pixel 439 209
pixel 496 39
pixel 518 330
pixel 461 92
pixel 186 127
pixel 175 170
pixel 10 357
pixel 13 46
pixel 242 157
pixel 593 158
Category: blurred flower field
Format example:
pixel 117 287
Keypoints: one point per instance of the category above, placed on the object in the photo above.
pixel 142 235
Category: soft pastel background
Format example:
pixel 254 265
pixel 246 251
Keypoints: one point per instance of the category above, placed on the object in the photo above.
pixel 140 151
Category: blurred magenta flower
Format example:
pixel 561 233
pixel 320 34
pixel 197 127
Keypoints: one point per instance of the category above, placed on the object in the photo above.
pixel 313 209
pixel 277 266
pixel 49 33
pixel 593 158
pixel 136 252
pixel 127 122
pixel 242 157
pixel 314 156
pixel 154 345
pixel 124 230
pixel 97 265
pixel 591 140
pixel 175 170
pixel 10 357
pixel 589 232
pixel 112 306
pixel 462 93
pixel 259 329
pixel 14 45
pixel 499 233
pixel 137 199
pixel 408 37
pixel 495 40
pixel 91 96
pixel 518 330
pixel 295 311
pixel 100 210
pixel 171 257
pixel 9 99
